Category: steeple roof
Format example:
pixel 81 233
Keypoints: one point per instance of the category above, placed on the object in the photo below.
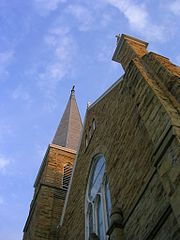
pixel 69 129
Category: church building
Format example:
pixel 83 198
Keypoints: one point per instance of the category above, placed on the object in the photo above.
pixel 117 175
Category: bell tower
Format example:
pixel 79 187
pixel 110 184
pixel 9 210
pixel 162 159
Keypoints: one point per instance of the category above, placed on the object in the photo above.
pixel 53 178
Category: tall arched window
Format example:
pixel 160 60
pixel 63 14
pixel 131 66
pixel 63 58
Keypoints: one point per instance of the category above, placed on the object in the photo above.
pixel 98 201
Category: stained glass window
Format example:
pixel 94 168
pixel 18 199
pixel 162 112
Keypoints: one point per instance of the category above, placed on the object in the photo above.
pixel 90 214
pixel 98 201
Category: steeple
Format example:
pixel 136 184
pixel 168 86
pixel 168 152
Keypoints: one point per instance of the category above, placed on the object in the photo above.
pixel 68 132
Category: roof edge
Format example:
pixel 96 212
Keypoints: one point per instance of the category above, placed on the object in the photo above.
pixel 106 92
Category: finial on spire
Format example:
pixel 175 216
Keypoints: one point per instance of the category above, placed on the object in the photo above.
pixel 72 90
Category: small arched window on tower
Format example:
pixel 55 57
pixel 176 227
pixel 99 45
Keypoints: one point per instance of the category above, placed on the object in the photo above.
pixel 98 200
pixel 67 175
pixel 93 125
pixel 90 132
pixel 86 141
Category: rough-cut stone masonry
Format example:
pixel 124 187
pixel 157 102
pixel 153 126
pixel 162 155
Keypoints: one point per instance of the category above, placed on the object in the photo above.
pixel 47 204
pixel 137 130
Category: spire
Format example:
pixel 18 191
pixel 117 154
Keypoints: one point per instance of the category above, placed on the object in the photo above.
pixel 68 132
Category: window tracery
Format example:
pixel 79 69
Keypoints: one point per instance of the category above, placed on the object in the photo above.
pixel 98 201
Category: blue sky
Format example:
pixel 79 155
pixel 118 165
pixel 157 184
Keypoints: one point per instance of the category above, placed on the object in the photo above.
pixel 46 46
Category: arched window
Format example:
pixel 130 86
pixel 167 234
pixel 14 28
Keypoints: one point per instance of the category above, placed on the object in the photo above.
pixel 93 125
pixel 86 140
pixel 90 132
pixel 98 201
pixel 67 175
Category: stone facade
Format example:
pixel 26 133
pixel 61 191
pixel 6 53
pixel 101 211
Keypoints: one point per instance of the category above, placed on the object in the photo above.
pixel 137 129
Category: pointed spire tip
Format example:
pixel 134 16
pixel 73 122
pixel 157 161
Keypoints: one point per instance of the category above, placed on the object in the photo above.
pixel 68 132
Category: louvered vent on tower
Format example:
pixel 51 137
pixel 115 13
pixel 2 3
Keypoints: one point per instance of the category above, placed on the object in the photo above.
pixel 67 175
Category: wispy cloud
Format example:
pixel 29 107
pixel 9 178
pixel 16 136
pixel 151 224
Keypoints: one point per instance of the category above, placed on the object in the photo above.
pixel 5 60
pixel 20 93
pixel 83 16
pixel 174 7
pixel 44 7
pixel 62 47
pixel 139 19
pixel 106 18
pixel 104 53
pixel 4 162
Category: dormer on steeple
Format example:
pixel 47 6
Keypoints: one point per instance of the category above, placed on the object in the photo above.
pixel 69 129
